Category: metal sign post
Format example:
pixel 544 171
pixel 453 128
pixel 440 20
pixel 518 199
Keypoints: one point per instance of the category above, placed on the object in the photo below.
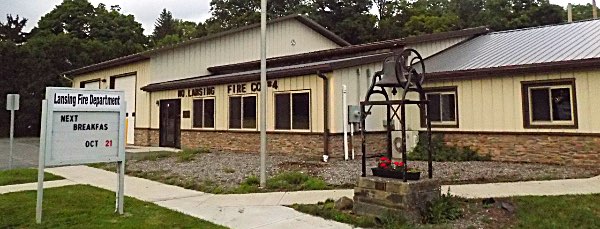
pixel 12 104
pixel 82 126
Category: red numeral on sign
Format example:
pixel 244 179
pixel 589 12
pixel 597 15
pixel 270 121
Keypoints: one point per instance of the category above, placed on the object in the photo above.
pixel 108 143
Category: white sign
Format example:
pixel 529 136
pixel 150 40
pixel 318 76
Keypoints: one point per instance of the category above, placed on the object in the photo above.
pixel 12 102
pixel 84 126
pixel 81 126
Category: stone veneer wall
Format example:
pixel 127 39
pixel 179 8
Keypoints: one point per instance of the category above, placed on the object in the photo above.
pixel 539 148
pixel 237 141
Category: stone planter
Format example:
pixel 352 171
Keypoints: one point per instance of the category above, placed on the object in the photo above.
pixel 379 172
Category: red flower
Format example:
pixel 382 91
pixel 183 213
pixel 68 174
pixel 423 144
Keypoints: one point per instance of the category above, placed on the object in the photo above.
pixel 384 159
pixel 401 164
pixel 383 165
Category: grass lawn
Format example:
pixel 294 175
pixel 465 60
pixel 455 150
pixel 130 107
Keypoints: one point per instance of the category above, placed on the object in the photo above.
pixel 83 206
pixel 22 176
pixel 573 211
pixel 576 211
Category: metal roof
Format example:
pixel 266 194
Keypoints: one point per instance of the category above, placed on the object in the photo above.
pixel 272 73
pixel 530 46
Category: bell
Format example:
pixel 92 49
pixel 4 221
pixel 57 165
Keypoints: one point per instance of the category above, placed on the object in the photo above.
pixel 390 71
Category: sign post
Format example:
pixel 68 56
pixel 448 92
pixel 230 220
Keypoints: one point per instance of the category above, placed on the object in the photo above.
pixel 12 104
pixel 82 126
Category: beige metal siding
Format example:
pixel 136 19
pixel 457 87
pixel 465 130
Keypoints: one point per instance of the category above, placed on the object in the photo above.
pixel 193 60
pixel 310 83
pixel 495 103
pixel 142 78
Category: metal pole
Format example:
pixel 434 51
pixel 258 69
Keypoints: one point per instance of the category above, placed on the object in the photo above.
pixel 363 147
pixel 41 164
pixel 429 150
pixel 263 93
pixel 121 186
pixel 352 139
pixel 403 126
pixel 12 132
pixel 345 107
pixel 594 10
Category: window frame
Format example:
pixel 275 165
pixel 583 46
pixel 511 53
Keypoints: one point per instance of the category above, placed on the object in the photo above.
pixel 290 93
pixel 527 86
pixel 443 124
pixel 214 99
pixel 96 80
pixel 242 112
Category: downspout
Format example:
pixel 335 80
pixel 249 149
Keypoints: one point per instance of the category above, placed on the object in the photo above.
pixel 326 115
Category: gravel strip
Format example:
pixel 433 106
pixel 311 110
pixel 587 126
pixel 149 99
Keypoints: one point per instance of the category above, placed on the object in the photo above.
pixel 230 169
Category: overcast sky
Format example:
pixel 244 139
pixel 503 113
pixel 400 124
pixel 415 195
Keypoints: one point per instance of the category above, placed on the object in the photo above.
pixel 145 11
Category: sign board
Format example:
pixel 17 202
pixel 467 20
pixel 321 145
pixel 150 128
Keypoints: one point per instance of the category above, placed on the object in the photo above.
pixel 12 102
pixel 82 126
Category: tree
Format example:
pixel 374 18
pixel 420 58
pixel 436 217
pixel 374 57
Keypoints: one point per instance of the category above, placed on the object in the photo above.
pixel 349 19
pixel 228 14
pixel 582 12
pixel 164 25
pixel 74 34
pixel 168 30
pixel 13 29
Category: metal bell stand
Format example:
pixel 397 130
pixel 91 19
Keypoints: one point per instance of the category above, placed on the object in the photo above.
pixel 397 72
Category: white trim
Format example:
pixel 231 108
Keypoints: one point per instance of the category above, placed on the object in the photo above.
pixel 292 129
pixel 551 122
pixel 242 111
pixel 455 94
pixel 214 99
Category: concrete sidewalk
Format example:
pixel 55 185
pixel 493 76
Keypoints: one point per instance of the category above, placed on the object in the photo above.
pixel 33 186
pixel 264 210
pixel 260 210
pixel 527 188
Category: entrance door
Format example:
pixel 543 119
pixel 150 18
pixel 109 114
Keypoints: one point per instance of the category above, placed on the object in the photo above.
pixel 170 123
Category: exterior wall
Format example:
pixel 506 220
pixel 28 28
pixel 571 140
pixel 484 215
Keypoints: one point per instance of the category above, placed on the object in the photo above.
pixel 495 103
pixel 358 80
pixel 311 83
pixel 142 69
pixel 542 148
pixel 193 60
pixel 238 141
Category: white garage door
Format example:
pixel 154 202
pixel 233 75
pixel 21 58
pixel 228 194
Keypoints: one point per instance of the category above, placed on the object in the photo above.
pixel 127 84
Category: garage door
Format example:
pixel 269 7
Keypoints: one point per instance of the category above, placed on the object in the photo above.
pixel 127 84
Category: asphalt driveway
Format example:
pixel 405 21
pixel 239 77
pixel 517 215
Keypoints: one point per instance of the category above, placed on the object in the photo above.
pixel 25 152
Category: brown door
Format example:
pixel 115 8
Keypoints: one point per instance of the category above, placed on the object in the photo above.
pixel 170 123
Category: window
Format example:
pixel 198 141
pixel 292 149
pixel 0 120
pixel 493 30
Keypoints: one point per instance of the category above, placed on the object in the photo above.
pixel 204 113
pixel 292 111
pixel 443 107
pixel 242 112
pixel 549 104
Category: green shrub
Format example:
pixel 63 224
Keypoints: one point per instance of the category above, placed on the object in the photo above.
pixel 294 181
pixel 327 210
pixel 444 209
pixel 189 154
pixel 443 152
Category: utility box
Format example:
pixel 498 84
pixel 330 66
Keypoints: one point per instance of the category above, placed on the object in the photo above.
pixel 353 114
pixel 412 139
